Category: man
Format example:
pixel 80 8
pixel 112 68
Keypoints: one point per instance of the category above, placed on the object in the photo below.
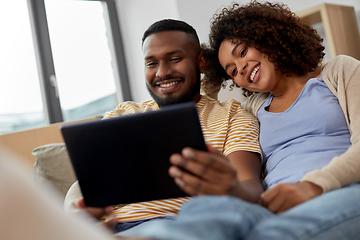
pixel 173 63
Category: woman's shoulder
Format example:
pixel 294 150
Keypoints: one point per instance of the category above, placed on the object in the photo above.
pixel 339 63
pixel 254 102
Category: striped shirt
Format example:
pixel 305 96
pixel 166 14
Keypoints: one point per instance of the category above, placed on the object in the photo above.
pixel 226 126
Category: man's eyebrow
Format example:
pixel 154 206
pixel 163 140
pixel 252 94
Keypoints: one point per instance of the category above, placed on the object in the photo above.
pixel 173 52
pixel 168 54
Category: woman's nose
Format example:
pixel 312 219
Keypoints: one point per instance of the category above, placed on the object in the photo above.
pixel 242 65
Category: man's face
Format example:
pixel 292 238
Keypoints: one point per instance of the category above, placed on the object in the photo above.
pixel 172 72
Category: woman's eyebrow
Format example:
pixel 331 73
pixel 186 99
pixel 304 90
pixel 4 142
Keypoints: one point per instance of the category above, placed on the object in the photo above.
pixel 226 67
pixel 232 53
pixel 234 49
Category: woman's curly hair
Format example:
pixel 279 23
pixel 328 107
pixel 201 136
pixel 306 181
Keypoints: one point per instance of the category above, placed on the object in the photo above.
pixel 294 47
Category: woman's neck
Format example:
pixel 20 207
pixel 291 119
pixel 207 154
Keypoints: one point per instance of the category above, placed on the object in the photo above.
pixel 290 85
pixel 287 91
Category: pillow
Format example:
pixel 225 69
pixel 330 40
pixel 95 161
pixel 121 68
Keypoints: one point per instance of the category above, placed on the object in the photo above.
pixel 53 167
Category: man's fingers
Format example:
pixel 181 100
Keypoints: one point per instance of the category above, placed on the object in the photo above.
pixel 194 185
pixel 198 172
pixel 199 169
pixel 110 224
pixel 210 160
pixel 200 162
pixel 94 211
pixel 81 203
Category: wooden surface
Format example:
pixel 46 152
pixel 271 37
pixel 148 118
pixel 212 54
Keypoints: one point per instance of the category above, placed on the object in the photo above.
pixel 340 27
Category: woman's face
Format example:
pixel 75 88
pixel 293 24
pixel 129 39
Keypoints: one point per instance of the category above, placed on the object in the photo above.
pixel 248 67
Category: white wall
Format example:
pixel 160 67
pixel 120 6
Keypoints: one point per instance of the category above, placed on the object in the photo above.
pixel 136 15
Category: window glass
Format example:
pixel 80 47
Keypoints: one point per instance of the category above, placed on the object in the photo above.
pixel 82 58
pixel 320 29
pixel 20 96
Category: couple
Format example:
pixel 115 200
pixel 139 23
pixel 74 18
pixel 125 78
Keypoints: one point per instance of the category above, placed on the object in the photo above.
pixel 309 133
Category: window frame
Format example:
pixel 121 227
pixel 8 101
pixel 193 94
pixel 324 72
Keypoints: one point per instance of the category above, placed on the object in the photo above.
pixel 45 62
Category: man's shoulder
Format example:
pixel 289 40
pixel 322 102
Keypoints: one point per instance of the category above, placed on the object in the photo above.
pixel 207 101
pixel 230 108
pixel 139 105
pixel 130 107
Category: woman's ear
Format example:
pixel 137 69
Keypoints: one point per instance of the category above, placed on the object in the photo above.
pixel 202 61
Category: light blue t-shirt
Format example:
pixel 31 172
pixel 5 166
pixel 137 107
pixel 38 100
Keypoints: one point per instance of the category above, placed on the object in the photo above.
pixel 307 136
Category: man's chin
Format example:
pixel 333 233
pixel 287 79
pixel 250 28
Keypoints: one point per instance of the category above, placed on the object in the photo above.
pixel 172 98
pixel 166 101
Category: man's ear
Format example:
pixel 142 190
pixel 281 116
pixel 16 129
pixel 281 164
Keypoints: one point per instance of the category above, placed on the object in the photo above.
pixel 202 61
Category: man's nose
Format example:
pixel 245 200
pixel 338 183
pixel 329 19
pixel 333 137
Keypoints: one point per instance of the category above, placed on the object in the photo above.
pixel 164 70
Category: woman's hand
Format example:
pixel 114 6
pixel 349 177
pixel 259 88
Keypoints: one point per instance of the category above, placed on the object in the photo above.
pixel 287 195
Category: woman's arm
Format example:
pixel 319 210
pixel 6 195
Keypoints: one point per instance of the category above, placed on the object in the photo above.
pixel 342 75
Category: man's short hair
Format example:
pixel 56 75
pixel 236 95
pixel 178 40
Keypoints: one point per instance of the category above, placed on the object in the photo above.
pixel 171 25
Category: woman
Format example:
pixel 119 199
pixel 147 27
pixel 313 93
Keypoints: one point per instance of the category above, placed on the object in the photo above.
pixel 268 51
pixel 309 134
pixel 309 119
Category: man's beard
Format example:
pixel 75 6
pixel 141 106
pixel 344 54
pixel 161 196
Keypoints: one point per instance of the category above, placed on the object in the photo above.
pixel 194 89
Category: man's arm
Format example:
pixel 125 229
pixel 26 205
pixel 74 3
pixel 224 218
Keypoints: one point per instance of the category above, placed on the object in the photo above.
pixel 74 203
pixel 212 173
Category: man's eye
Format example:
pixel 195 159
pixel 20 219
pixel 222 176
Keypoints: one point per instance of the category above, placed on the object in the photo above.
pixel 243 52
pixel 175 60
pixel 150 64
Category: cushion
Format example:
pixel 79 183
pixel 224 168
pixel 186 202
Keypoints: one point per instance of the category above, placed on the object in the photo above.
pixel 53 167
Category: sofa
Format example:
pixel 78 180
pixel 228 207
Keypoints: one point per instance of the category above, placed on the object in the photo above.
pixel 43 152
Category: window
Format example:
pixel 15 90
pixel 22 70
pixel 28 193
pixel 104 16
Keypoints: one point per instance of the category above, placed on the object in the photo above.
pixel 20 96
pixel 79 56
pixel 82 58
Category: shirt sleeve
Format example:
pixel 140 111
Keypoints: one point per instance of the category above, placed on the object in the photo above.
pixel 243 133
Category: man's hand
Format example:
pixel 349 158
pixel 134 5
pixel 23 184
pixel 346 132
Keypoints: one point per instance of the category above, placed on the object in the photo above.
pixel 208 172
pixel 98 213
pixel 287 195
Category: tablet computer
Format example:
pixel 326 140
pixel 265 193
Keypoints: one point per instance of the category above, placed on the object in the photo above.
pixel 126 159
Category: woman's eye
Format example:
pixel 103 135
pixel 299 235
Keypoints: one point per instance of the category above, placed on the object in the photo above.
pixel 243 52
pixel 234 72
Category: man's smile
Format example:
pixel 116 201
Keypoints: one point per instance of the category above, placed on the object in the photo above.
pixel 167 85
